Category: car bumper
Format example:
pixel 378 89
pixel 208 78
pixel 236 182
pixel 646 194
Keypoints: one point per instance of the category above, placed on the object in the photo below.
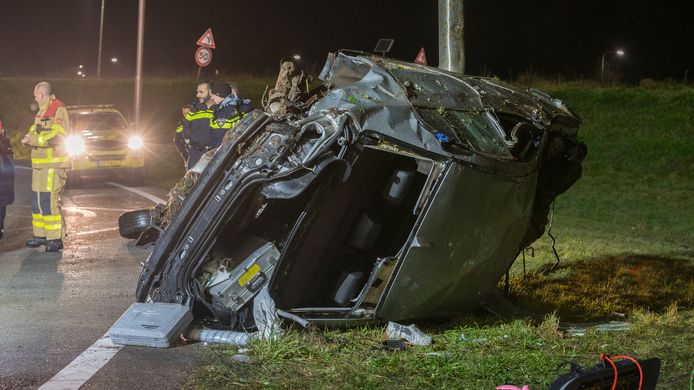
pixel 109 160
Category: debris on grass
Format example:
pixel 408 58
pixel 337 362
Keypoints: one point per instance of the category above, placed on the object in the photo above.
pixel 580 330
pixel 411 334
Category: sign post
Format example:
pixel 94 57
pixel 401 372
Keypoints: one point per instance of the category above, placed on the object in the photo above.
pixel 203 55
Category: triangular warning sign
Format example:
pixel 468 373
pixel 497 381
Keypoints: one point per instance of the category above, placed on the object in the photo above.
pixel 206 39
pixel 421 57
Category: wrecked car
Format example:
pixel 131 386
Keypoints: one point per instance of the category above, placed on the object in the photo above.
pixel 393 191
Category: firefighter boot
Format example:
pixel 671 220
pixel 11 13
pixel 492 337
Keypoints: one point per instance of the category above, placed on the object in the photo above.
pixel 36 242
pixel 54 245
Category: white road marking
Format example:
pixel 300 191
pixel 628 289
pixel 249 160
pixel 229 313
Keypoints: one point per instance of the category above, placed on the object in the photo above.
pixel 147 195
pixel 94 231
pixel 80 370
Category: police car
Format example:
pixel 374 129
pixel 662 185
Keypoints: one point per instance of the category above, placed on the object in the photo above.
pixel 102 139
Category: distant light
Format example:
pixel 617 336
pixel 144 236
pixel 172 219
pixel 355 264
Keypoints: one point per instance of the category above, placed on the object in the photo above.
pixel 79 73
pixel 81 66
pixel 296 57
pixel 114 59
pixel 620 52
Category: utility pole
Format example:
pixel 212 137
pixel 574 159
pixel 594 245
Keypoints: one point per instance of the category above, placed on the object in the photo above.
pixel 451 47
pixel 101 35
pixel 138 66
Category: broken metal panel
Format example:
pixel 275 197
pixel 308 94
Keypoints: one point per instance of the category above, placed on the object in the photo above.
pixel 467 239
pixel 376 100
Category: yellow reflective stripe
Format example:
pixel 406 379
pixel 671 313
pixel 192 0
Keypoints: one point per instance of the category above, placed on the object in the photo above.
pixel 53 218
pixel 58 226
pixel 49 181
pixel 36 216
pixel 199 114
pixel 37 224
pixel 179 129
pixel 55 130
pixel 48 160
pixel 228 123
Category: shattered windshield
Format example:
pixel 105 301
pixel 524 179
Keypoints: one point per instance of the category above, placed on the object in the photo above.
pixel 452 108
pixel 431 90
pixel 475 130
pixel 97 121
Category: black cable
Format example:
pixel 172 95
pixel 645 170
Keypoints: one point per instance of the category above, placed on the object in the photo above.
pixel 554 241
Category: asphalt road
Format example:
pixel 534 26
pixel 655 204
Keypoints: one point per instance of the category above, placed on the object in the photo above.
pixel 53 306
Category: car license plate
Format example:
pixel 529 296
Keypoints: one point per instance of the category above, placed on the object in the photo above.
pixel 108 163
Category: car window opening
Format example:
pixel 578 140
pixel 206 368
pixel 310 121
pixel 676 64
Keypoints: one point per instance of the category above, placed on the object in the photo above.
pixel 351 226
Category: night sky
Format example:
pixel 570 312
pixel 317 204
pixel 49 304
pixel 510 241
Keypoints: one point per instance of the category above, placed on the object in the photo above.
pixel 503 37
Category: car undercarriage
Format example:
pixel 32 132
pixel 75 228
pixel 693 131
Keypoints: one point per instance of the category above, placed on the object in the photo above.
pixel 392 191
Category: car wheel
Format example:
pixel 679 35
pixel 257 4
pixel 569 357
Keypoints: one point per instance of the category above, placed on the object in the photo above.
pixel 133 223
pixel 135 176
pixel 74 179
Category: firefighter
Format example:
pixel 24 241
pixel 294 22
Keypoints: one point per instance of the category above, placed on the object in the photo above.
pixel 49 162
pixel 226 111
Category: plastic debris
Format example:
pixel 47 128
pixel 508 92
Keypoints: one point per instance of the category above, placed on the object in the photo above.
pixel 411 334
pixel 221 336
pixel 580 330
pixel 241 358
pixel 512 387
pixel 265 316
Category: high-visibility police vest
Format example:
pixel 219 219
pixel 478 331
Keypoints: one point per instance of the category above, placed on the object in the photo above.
pixel 47 138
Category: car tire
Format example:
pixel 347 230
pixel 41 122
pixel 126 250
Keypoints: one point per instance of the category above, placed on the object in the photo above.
pixel 135 177
pixel 133 223
pixel 74 179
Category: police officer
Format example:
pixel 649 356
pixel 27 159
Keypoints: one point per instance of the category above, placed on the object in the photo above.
pixel 195 128
pixel 49 162
pixel 226 111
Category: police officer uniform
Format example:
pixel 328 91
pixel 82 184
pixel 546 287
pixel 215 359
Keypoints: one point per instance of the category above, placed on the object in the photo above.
pixel 196 130
pixel 227 113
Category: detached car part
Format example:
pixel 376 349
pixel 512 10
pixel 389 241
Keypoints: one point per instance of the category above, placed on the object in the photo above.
pixel 394 191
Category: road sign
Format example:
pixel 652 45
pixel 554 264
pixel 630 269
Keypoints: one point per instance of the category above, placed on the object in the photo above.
pixel 203 56
pixel 206 40
pixel 383 46
pixel 421 57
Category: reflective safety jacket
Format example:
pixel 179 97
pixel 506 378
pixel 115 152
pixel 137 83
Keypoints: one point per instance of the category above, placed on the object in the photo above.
pixel 47 136
pixel 196 127
pixel 226 115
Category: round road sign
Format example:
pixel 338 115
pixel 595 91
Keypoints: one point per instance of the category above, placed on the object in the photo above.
pixel 203 56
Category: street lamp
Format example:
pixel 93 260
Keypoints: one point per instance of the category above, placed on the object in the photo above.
pixel 297 57
pixel 114 60
pixel 618 52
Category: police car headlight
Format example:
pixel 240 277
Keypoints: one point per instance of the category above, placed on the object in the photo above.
pixel 135 142
pixel 74 145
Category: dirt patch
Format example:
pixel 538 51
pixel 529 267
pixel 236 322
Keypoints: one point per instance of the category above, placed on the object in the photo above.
pixel 607 287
